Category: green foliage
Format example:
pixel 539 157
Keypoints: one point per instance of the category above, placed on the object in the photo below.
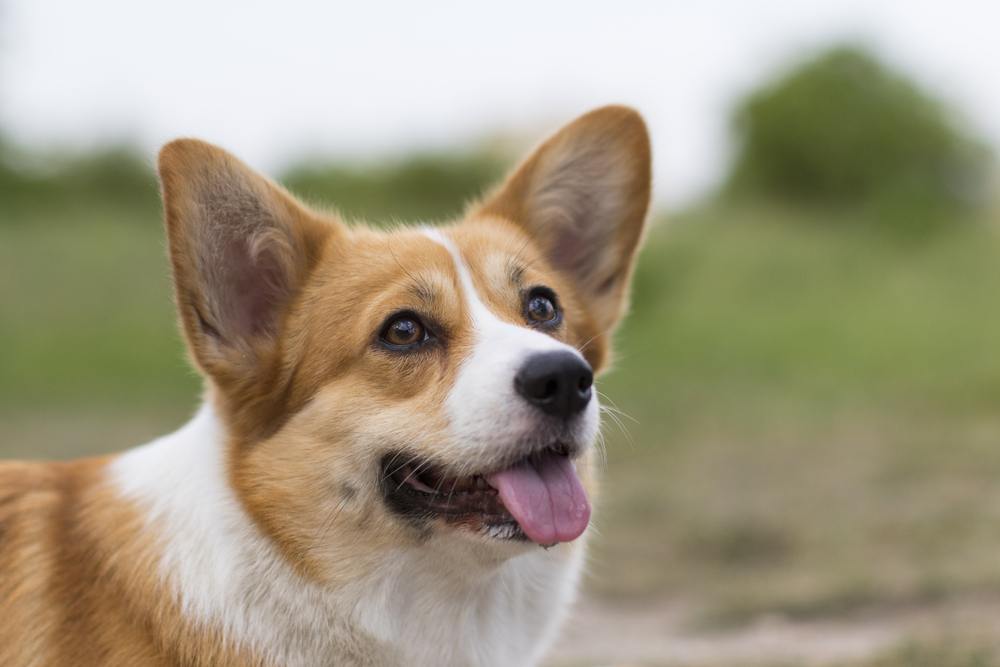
pixel 845 129
pixel 430 186
pixel 113 179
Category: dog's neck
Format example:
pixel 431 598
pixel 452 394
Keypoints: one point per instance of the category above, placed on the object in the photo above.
pixel 228 577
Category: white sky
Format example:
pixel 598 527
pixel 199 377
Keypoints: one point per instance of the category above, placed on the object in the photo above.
pixel 271 80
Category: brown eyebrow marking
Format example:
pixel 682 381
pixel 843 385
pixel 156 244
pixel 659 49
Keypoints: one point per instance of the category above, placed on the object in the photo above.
pixel 423 290
pixel 515 272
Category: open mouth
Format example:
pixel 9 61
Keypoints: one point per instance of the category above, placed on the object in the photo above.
pixel 539 498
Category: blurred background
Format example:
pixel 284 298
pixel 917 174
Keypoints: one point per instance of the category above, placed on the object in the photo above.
pixel 804 454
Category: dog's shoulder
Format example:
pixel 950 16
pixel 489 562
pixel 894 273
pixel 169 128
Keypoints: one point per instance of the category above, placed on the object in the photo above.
pixel 27 490
pixel 36 506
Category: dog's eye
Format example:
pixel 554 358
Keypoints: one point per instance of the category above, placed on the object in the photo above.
pixel 540 307
pixel 404 330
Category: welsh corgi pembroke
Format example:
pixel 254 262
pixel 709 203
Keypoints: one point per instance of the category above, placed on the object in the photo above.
pixel 394 460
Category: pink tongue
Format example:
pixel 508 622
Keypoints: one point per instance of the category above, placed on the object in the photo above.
pixel 545 497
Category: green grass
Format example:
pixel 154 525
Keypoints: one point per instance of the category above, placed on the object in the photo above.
pixel 87 314
pixel 814 418
pixel 813 406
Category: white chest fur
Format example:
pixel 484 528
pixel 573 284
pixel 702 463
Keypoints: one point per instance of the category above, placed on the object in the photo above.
pixel 423 606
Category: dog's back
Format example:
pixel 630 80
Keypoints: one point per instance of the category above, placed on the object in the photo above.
pixel 58 603
pixel 80 583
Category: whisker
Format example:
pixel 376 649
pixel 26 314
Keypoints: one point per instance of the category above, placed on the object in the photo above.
pixel 415 471
pixel 390 473
pixel 329 522
pixel 613 406
pixel 450 493
pixel 590 340
pixel 391 461
pixel 524 246
pixel 388 243
pixel 600 444
pixel 616 420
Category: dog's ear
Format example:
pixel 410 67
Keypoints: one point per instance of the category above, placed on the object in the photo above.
pixel 583 194
pixel 241 248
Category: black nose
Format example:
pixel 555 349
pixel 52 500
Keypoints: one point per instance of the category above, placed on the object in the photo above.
pixel 559 383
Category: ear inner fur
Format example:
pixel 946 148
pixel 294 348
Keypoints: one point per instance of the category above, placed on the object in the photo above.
pixel 241 249
pixel 583 194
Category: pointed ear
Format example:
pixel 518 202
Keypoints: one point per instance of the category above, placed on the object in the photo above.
pixel 583 195
pixel 241 247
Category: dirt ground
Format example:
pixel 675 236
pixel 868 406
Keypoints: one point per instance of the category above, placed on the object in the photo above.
pixel 660 632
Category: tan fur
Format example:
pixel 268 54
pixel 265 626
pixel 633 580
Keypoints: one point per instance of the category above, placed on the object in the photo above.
pixel 598 166
pixel 305 394
pixel 79 584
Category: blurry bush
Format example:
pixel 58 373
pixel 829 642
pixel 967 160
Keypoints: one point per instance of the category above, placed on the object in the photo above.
pixel 427 186
pixel 844 129
pixel 115 178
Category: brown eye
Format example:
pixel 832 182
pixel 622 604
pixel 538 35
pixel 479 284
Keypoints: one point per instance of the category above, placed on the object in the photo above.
pixel 404 331
pixel 541 308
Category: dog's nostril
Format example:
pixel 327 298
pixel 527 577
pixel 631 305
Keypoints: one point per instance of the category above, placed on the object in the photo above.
pixel 558 383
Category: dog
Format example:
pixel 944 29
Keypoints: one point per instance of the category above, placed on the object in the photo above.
pixel 394 460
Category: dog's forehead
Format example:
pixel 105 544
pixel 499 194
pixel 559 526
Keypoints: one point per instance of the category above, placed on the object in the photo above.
pixel 501 251
pixel 374 260
pixel 434 260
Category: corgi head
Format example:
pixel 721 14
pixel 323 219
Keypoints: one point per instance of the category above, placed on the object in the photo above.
pixel 388 387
